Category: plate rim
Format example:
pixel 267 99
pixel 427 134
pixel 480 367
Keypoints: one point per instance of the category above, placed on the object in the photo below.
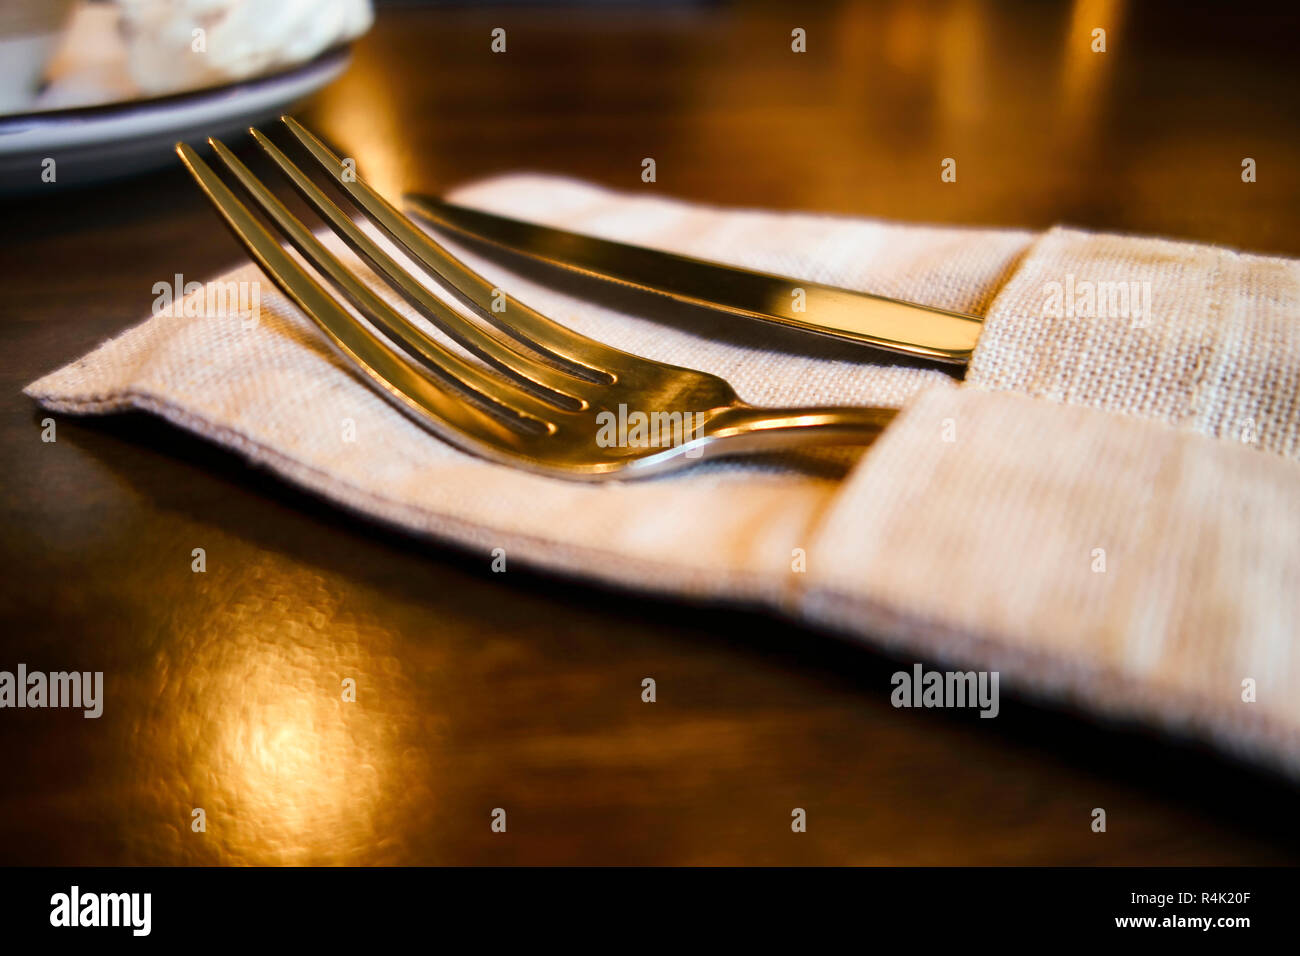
pixel 335 55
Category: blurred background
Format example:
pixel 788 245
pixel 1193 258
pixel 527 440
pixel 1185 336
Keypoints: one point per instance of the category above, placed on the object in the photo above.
pixel 1147 136
pixel 482 692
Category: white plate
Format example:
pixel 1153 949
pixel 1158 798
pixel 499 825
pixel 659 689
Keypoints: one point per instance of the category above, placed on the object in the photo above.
pixel 96 143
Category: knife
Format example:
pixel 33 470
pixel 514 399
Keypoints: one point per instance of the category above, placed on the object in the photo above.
pixel 884 323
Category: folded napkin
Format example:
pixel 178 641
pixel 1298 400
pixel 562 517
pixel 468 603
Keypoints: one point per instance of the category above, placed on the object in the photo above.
pixel 1106 511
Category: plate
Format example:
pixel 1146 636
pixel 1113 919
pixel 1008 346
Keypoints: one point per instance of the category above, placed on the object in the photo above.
pixel 98 143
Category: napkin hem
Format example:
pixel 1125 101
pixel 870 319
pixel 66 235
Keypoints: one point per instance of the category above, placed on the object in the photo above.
pixel 609 567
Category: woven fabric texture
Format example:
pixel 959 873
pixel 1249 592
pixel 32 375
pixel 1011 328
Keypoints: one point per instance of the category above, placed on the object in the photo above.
pixel 1119 565
pixel 1190 335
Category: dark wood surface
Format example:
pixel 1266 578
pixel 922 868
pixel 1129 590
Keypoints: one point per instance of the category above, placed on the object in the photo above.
pixel 479 690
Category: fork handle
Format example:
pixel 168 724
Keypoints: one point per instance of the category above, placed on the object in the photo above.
pixel 742 428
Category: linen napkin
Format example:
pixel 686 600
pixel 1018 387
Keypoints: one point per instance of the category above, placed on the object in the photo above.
pixel 1107 511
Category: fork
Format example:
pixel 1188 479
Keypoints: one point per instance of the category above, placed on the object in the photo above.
pixel 542 396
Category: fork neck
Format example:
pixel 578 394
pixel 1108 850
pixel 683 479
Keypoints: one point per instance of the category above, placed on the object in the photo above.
pixel 746 427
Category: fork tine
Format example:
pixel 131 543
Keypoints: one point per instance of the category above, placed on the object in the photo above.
pixel 433 354
pixel 527 325
pixel 420 396
pixel 545 379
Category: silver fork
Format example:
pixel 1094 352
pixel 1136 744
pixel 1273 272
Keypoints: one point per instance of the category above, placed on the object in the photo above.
pixel 544 398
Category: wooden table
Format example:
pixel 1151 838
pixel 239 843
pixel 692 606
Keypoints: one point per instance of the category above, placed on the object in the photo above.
pixel 479 691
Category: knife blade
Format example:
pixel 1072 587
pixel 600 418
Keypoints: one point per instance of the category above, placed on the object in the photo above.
pixel 859 317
